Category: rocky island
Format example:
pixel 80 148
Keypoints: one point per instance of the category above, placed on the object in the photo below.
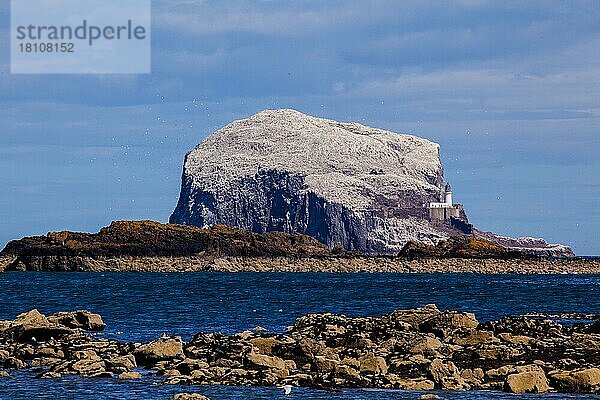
pixel 147 246
pixel 416 349
pixel 346 184
pixel 285 191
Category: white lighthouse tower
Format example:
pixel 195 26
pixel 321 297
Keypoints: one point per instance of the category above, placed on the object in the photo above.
pixel 448 196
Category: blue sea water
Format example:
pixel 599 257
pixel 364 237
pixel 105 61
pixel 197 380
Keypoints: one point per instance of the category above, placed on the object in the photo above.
pixel 142 306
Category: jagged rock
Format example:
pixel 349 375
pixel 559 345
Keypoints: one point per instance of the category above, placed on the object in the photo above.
pixel 459 247
pixel 414 384
pixel 475 338
pixel 473 377
pixel 346 372
pixel 34 326
pixel 15 363
pixel 438 370
pixel 425 344
pixel 281 170
pixel 4 374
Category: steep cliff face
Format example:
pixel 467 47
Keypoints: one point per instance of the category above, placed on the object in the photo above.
pixel 343 183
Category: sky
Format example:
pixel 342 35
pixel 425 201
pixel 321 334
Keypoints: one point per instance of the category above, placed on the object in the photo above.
pixel 510 90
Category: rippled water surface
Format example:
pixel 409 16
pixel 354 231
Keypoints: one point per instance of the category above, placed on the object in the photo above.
pixel 143 306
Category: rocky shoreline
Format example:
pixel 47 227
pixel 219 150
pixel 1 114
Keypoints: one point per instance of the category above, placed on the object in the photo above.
pixel 148 246
pixel 331 264
pixel 418 349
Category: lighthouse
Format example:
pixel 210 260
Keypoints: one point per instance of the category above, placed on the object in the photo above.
pixel 445 208
pixel 448 196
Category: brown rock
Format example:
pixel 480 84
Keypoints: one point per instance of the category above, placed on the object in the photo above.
pixel 49 352
pixel 130 375
pixel 159 350
pixel 438 370
pixel 473 376
pixel 425 344
pixel 14 363
pixel 475 338
pixel 533 381
pixel 121 363
pixel 264 345
pixel 409 384
pixel 49 375
pixel 190 396
pixel 34 326
pixel 346 372
pixel 413 317
pixel 516 339
pixel 371 364
pixel 88 367
pixel 81 319
pixel 45 361
pixel 448 321
pixel 264 361
pixel 577 381
pixel 32 318
pixel 325 364
pixel 88 354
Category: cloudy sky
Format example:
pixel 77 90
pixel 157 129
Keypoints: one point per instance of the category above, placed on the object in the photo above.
pixel 510 89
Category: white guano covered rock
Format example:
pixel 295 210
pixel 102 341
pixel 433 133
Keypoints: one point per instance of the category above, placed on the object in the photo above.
pixel 346 184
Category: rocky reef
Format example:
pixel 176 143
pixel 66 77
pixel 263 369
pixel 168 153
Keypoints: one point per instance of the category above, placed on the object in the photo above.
pixel 479 248
pixel 416 349
pixel 67 251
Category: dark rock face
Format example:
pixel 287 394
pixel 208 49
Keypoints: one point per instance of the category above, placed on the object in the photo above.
pixel 417 349
pixel 347 185
pixel 281 203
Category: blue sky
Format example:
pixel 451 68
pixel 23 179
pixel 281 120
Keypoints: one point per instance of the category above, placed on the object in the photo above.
pixel 511 91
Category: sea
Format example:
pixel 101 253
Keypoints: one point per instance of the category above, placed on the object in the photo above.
pixel 142 306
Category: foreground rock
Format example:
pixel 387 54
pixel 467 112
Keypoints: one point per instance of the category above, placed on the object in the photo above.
pixel 417 349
